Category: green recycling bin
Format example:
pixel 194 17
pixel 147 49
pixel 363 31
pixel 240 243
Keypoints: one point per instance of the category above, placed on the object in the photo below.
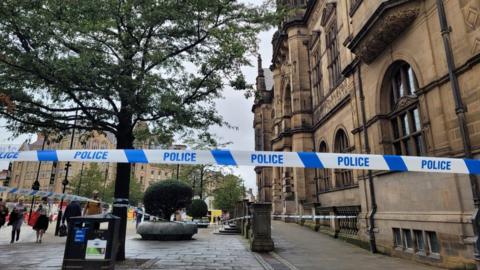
pixel 92 242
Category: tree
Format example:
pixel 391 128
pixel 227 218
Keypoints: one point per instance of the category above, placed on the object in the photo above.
pixel 166 197
pixel 229 193
pixel 201 176
pixel 135 192
pixel 108 65
pixel 197 209
pixel 92 178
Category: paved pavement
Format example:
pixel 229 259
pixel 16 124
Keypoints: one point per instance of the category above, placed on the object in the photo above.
pixel 296 248
pixel 206 251
pixel 301 248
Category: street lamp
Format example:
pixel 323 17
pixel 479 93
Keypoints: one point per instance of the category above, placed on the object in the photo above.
pixel 64 184
pixel 36 184
pixel 179 147
pixel 65 180
pixel 81 172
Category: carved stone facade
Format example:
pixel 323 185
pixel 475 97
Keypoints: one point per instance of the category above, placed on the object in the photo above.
pixel 392 96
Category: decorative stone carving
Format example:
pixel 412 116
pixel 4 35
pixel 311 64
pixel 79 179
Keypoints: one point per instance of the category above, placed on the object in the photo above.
pixel 471 15
pixel 476 46
pixel 404 102
pixel 335 97
pixel 381 30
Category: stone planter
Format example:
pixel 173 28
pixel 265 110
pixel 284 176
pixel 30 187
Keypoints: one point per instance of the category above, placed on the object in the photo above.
pixel 166 231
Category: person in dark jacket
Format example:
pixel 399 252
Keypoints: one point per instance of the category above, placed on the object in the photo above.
pixel 3 213
pixel 73 210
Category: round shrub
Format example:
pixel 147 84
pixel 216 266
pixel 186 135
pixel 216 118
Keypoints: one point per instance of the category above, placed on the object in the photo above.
pixel 197 209
pixel 165 197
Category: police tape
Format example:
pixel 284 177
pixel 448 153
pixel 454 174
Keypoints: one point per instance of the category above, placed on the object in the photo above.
pixel 48 194
pixel 253 158
pixel 313 217
pixel 298 217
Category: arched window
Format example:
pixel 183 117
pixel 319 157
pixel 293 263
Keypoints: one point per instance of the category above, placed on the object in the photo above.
pixel 343 177
pixel 404 115
pixel 324 181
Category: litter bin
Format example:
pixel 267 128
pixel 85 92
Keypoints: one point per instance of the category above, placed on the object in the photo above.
pixel 91 242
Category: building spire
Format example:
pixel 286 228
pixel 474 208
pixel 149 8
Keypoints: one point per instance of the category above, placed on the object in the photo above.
pixel 260 67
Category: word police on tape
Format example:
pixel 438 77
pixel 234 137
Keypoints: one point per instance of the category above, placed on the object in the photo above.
pixel 249 158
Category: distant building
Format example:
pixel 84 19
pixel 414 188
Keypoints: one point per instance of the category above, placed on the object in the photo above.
pixel 249 195
pixel 3 178
pixel 146 174
pixel 51 174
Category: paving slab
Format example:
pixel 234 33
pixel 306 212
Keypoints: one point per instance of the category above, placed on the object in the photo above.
pixel 301 248
pixel 205 251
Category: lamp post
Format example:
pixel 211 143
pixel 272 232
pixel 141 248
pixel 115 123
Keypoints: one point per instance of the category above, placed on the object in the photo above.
pixel 65 180
pixel 179 147
pixel 36 184
pixel 106 179
pixel 81 172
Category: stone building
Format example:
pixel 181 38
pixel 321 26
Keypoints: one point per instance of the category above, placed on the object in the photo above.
pixel 147 174
pixel 51 174
pixel 385 77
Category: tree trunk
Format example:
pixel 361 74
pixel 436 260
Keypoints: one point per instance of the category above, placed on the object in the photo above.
pixel 122 182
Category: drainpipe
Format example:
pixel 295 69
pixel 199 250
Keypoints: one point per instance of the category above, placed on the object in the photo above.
pixel 306 43
pixel 462 123
pixel 371 187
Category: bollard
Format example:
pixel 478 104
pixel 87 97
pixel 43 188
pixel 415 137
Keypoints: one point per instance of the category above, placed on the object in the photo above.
pixel 261 236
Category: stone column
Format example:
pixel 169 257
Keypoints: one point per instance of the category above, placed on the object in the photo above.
pixel 261 240
pixel 246 222
pixel 316 221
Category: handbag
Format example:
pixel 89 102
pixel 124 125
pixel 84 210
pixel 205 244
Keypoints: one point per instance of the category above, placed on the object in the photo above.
pixel 62 231
pixel 33 219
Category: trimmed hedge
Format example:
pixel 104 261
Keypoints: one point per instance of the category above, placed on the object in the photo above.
pixel 197 209
pixel 165 197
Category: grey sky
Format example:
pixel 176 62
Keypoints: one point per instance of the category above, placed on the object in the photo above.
pixel 235 108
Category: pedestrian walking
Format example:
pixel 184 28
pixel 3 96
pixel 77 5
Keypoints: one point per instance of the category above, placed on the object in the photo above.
pixel 93 208
pixel 3 213
pixel 73 210
pixel 41 225
pixel 138 215
pixel 16 220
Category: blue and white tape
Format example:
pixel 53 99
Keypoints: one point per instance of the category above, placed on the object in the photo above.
pixel 48 194
pixel 321 217
pixel 250 158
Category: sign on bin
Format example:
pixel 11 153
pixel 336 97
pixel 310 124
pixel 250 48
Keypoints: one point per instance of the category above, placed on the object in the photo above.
pixel 80 235
pixel 96 249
